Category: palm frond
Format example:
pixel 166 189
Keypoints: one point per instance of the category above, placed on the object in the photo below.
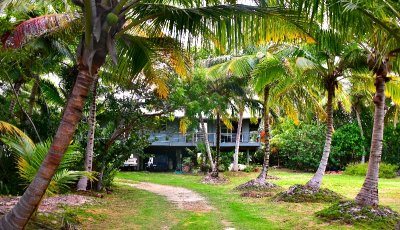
pixel 267 71
pixel 51 93
pixel 30 157
pixel 38 26
pixel 9 129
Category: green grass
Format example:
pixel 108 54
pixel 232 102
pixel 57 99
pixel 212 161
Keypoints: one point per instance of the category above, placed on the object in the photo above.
pixel 130 208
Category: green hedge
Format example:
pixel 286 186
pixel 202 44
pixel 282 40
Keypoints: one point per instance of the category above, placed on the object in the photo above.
pixel 385 170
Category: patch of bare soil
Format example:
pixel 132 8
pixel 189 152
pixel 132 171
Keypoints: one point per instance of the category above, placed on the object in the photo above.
pixel 256 185
pixel 184 198
pixel 214 180
pixel 50 204
pixel 254 194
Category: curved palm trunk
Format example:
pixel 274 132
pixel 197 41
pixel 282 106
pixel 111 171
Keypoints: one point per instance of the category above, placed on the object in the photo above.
pixel 19 216
pixel 237 144
pixel 207 143
pixel 368 194
pixel 264 172
pixel 83 182
pixel 315 182
pixel 215 172
pixel 361 133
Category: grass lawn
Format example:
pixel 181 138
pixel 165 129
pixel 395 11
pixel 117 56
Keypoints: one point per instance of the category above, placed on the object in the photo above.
pixel 130 208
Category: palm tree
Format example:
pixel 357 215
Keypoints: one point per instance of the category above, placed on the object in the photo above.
pixel 83 181
pixel 328 67
pixel 382 36
pixel 374 23
pixel 222 91
pixel 268 74
pixel 238 67
pixel 273 82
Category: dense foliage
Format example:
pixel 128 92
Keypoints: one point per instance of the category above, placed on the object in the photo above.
pixel 297 147
pixel 385 170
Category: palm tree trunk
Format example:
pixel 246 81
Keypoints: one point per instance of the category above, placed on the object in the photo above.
pixel 361 133
pixel 19 216
pixel 207 143
pixel 315 182
pixel 101 174
pixel 34 92
pixel 237 144
pixel 83 182
pixel 264 172
pixel 215 172
pixel 369 191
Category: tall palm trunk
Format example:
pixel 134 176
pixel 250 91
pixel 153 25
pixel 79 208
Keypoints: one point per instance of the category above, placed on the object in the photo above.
pixel 361 133
pixel 215 172
pixel 237 144
pixel 264 172
pixel 207 143
pixel 19 216
pixel 83 182
pixel 368 194
pixel 315 182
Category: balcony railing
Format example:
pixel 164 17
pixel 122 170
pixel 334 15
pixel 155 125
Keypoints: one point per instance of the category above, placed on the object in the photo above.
pixel 194 138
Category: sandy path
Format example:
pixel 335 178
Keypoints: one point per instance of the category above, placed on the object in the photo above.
pixel 184 198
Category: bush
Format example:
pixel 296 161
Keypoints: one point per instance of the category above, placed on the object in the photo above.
pixel 298 147
pixel 347 146
pixel 250 168
pixel 391 148
pixel 226 159
pixel 385 170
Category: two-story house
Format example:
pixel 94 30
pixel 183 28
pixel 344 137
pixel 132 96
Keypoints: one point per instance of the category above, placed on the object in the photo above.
pixel 169 146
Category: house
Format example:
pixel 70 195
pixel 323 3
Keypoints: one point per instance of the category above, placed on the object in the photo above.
pixel 169 146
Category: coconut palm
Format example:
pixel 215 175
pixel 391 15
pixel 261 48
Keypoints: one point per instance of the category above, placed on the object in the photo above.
pixel 239 67
pixel 329 67
pixel 374 24
pixel 386 49
pixel 272 83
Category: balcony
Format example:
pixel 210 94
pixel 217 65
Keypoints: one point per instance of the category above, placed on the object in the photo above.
pixel 249 139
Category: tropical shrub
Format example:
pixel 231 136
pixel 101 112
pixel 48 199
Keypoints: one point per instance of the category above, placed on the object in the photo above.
pixel 298 147
pixel 29 157
pixel 226 160
pixel 9 180
pixel 347 146
pixel 391 147
pixel 385 170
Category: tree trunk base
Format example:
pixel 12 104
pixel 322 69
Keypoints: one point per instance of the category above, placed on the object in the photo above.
pixel 210 179
pixel 258 185
pixel 353 213
pixel 303 193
